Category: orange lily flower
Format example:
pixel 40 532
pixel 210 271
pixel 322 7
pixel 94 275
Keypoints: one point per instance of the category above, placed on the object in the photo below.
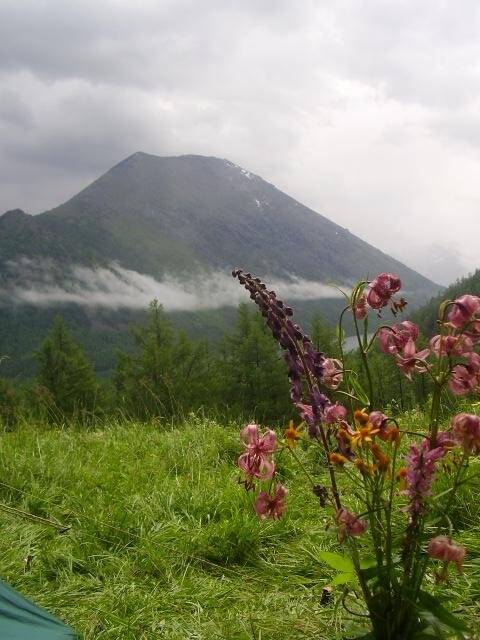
pixel 383 461
pixel 364 434
pixel 292 434
pixel 401 476
pixel 365 468
pixel 338 459
pixel 361 417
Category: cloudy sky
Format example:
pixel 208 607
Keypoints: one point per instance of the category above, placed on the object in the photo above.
pixel 367 111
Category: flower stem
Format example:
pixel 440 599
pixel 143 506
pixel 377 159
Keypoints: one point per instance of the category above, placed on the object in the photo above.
pixel 365 363
pixel 435 413
pixel 302 467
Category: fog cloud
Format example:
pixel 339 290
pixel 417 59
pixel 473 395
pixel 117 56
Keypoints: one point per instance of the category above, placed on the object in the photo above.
pixel 115 287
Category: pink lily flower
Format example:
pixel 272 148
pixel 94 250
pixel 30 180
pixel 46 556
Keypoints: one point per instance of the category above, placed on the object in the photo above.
pixel 473 330
pixel 421 463
pixel 443 548
pixel 473 361
pixel 267 506
pixel 255 462
pixel 349 524
pixel 382 288
pixel 360 310
pixel 393 339
pixel 332 374
pixel 256 466
pixel 411 360
pixel 255 443
pixel 305 411
pixel 335 413
pixel 464 310
pixel 466 427
pixel 386 341
pixel 451 345
pixel 463 379
pixel 378 419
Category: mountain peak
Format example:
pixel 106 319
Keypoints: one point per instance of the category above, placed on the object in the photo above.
pixel 14 216
pixel 144 156
pixel 15 213
pixel 158 215
pixel 192 159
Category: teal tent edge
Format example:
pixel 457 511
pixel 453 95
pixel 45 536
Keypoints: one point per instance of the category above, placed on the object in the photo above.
pixel 21 619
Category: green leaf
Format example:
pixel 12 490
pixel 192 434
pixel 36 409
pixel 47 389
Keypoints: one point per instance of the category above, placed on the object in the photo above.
pixel 368 568
pixel 337 561
pixel 359 390
pixel 434 606
pixel 343 578
pixel 368 563
pixel 474 561
pixel 434 628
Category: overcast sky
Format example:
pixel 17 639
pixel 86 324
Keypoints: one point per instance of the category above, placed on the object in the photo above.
pixel 367 111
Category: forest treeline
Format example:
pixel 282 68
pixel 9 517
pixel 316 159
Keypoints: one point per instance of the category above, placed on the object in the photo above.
pixel 167 375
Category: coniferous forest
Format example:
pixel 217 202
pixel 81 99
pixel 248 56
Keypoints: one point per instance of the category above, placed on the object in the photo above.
pixel 165 374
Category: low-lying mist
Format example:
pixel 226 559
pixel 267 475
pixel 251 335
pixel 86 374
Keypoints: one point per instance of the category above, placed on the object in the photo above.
pixel 115 287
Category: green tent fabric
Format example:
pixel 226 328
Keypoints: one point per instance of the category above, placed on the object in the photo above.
pixel 21 619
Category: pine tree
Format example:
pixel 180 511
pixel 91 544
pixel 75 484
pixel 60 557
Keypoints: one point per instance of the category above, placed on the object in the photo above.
pixel 65 377
pixel 254 375
pixel 167 374
pixel 9 404
pixel 324 337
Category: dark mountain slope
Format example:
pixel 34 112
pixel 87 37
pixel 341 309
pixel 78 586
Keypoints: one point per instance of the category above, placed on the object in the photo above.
pixel 170 214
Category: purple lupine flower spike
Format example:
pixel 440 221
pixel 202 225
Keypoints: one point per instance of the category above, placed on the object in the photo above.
pixel 302 359
pixel 305 364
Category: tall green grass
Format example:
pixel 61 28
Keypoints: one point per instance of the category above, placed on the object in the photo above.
pixel 163 542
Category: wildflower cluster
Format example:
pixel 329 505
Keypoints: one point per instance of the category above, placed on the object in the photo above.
pixel 362 444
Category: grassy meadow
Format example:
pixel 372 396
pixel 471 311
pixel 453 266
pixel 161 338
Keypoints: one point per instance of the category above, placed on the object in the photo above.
pixel 163 542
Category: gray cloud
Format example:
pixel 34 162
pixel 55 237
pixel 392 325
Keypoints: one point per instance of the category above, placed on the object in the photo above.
pixel 365 111
pixel 14 110
pixel 445 260
pixel 116 287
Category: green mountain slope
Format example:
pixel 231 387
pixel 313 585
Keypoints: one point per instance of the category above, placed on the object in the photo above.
pixel 426 315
